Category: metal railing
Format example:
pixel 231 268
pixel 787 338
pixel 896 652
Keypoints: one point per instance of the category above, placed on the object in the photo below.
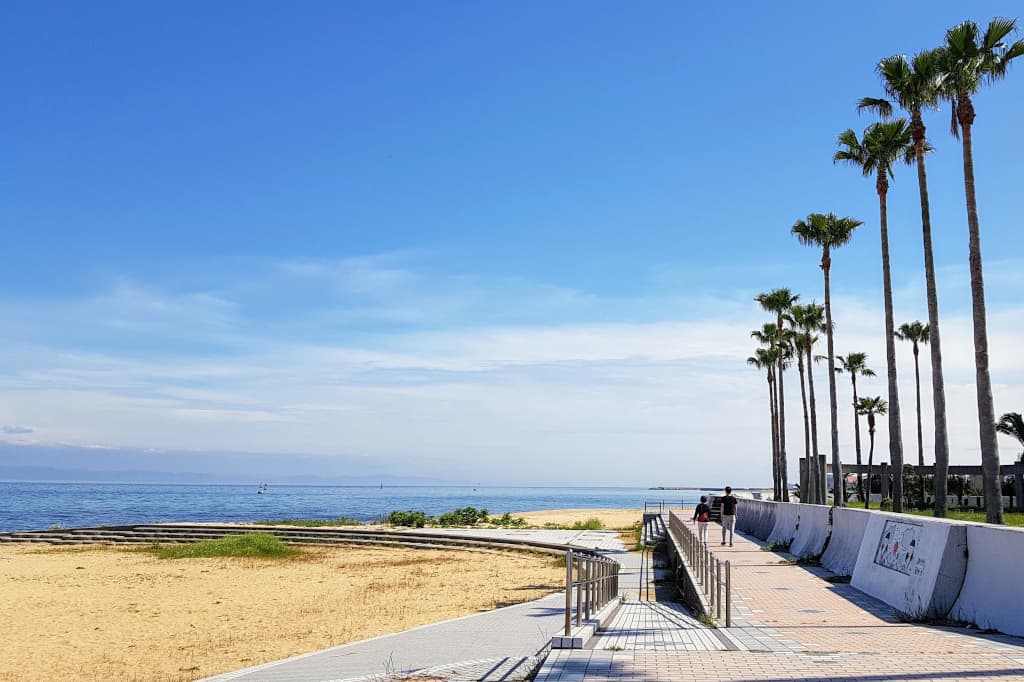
pixel 593 579
pixel 710 574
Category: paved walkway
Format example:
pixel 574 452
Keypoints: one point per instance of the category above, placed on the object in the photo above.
pixel 498 645
pixel 790 623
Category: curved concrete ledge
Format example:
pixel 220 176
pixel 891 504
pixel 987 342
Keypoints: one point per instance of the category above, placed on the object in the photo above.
pixel 787 516
pixel 848 526
pixel 813 529
pixel 746 512
pixel 766 522
pixel 915 564
pixel 990 594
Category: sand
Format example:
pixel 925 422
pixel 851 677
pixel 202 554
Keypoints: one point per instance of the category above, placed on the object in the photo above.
pixel 111 613
pixel 613 519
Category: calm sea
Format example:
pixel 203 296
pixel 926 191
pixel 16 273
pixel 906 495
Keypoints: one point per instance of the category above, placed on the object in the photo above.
pixel 34 506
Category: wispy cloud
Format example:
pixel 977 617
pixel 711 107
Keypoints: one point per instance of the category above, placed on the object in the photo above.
pixel 539 387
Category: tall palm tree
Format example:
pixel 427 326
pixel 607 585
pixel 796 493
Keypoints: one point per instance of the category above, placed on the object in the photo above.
pixel 870 407
pixel 969 60
pixel 829 232
pixel 856 364
pixel 1012 424
pixel 768 336
pixel 915 85
pixel 917 333
pixel 765 358
pixel 779 301
pixel 884 144
pixel 810 319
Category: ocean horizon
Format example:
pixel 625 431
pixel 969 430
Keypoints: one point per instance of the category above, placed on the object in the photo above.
pixel 41 505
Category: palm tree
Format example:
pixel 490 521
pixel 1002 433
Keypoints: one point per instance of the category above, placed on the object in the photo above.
pixel 764 358
pixel 768 337
pixel 915 86
pixel 779 301
pixel 884 144
pixel 856 364
pixel 1012 424
pixel 829 232
pixel 917 333
pixel 969 60
pixel 869 407
pixel 810 319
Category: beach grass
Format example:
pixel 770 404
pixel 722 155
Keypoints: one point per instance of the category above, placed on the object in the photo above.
pixel 250 545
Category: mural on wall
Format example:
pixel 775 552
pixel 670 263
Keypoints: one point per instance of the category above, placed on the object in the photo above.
pixel 897 545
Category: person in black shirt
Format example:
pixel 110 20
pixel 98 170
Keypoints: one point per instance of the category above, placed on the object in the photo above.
pixel 702 514
pixel 728 515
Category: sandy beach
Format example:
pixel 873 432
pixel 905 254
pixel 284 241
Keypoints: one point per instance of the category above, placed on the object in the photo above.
pixel 112 613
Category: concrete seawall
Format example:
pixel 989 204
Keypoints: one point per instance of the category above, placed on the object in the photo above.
pixel 848 525
pixel 813 530
pixel 914 564
pixel 990 597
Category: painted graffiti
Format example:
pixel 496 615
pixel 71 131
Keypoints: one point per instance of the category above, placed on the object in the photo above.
pixel 897 545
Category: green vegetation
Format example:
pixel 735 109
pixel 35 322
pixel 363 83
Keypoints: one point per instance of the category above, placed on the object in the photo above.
pixel 776 547
pixel 312 523
pixel 463 516
pixel 1014 518
pixel 589 524
pixel 250 545
pixel 707 620
pixel 410 519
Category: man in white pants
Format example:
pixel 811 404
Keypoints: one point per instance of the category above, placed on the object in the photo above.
pixel 728 515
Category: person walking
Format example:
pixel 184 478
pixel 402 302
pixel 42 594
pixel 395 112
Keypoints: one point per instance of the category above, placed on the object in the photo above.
pixel 701 515
pixel 728 515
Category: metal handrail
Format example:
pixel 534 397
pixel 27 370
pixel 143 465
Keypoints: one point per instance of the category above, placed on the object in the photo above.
pixel 706 568
pixel 596 583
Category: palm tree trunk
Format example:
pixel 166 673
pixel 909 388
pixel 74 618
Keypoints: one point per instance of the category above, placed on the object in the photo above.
pixel 986 410
pixel 775 438
pixel 856 433
pixel 871 456
pixel 813 464
pixel 895 430
pixel 920 435
pixel 837 467
pixel 935 346
pixel 805 494
pixel 783 475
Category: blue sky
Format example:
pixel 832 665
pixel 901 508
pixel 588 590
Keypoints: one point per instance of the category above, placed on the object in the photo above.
pixel 462 237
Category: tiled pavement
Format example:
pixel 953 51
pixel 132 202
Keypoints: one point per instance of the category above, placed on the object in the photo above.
pixel 791 623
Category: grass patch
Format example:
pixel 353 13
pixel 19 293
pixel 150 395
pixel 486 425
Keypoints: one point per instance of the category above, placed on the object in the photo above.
pixel 708 620
pixel 311 523
pixel 776 547
pixel 1013 518
pixel 592 523
pixel 250 545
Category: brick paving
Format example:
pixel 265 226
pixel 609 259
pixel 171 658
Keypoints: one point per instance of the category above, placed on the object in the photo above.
pixel 792 623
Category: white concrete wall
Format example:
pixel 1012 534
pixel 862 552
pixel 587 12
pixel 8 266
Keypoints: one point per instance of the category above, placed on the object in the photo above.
pixel 848 526
pixel 766 519
pixel 991 594
pixel 813 529
pixel 786 515
pixel 914 564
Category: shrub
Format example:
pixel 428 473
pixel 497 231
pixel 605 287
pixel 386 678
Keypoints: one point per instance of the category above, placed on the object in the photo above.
pixel 593 523
pixel 506 520
pixel 464 516
pixel 886 504
pixel 412 519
